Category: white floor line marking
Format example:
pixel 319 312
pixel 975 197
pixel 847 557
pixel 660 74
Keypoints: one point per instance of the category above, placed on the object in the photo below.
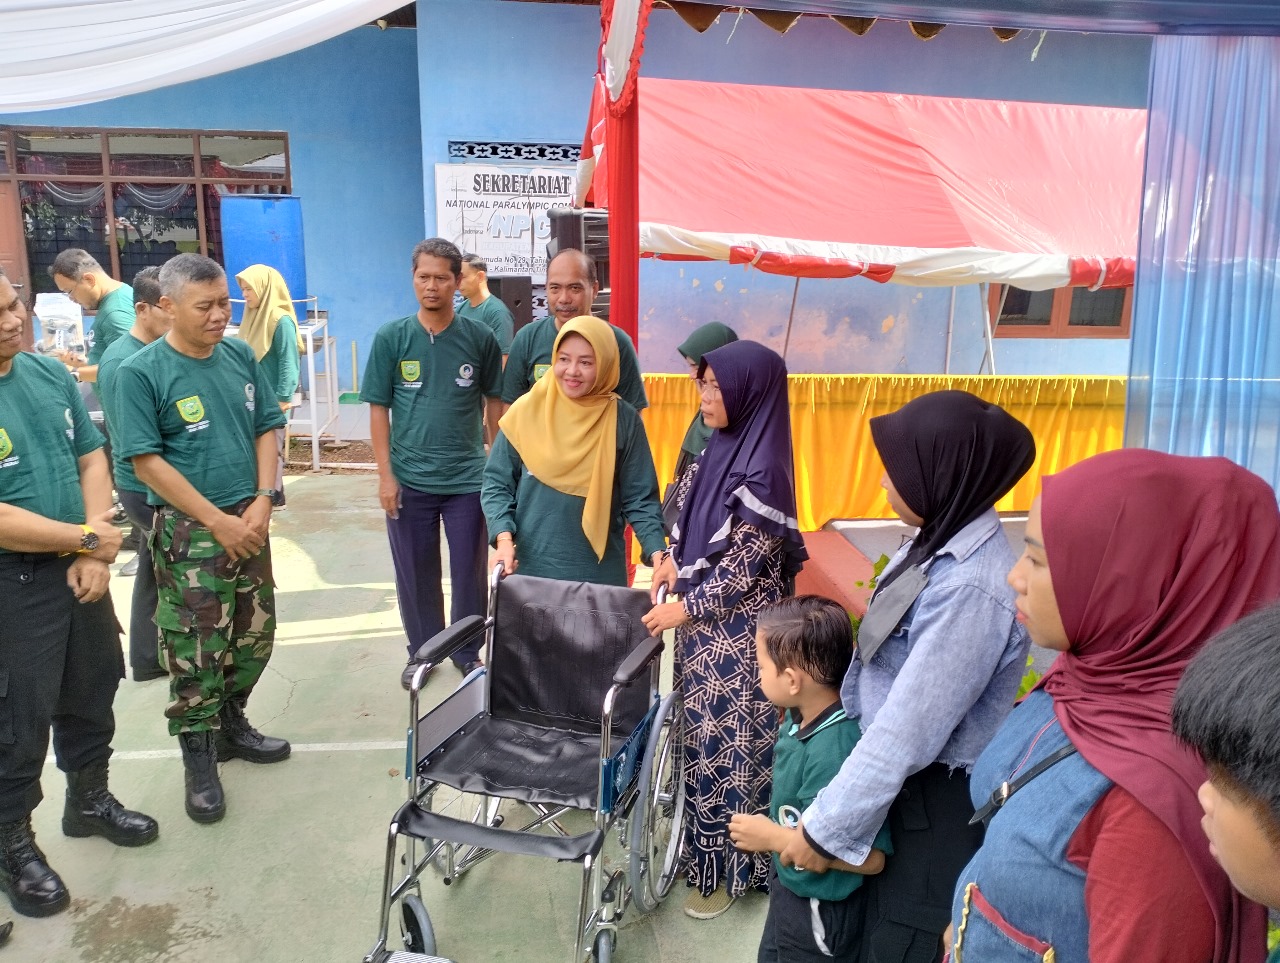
pixel 305 747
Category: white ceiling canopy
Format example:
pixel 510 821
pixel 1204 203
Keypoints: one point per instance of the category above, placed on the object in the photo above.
pixel 55 53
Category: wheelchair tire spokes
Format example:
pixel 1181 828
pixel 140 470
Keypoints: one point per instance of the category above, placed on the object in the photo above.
pixel 657 823
pixel 450 859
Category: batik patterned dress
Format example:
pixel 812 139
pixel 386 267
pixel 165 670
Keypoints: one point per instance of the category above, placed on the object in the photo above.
pixel 729 726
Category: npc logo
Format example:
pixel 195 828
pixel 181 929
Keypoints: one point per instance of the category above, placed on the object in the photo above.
pixel 6 444
pixel 465 377
pixel 71 423
pixel 248 396
pixel 191 409
pixel 539 370
pixel 410 371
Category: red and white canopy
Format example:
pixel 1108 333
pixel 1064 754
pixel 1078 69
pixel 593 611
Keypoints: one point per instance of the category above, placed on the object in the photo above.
pixel 917 190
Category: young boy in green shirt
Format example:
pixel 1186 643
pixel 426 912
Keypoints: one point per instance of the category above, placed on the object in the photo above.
pixel 804 646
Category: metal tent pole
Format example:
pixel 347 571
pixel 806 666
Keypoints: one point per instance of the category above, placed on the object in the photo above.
pixel 786 341
pixel 951 325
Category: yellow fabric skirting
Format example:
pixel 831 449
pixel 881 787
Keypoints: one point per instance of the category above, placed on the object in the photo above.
pixel 837 469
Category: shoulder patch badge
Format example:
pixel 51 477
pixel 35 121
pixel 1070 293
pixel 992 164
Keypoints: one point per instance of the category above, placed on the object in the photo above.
pixel 410 370
pixel 191 409
pixel 6 444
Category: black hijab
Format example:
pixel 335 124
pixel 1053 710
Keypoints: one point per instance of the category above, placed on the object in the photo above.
pixel 951 456
pixel 746 472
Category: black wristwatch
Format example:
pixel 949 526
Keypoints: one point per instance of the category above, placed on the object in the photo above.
pixel 269 492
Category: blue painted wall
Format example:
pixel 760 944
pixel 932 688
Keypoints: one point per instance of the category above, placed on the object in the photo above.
pixel 525 74
pixel 350 106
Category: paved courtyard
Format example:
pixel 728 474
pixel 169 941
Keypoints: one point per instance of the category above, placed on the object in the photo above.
pixel 294 870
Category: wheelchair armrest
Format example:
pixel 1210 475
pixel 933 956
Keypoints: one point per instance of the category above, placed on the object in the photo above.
pixel 634 664
pixel 443 644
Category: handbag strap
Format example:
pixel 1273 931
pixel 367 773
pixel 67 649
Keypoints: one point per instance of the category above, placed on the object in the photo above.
pixel 1005 790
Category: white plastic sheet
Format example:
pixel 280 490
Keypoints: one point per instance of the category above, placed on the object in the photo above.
pixel 59 54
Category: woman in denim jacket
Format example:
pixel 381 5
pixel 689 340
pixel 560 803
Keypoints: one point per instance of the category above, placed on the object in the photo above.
pixel 1094 852
pixel 938 663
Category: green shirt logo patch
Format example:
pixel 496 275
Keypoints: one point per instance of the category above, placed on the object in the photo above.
pixel 6 445
pixel 410 370
pixel 539 370
pixel 191 409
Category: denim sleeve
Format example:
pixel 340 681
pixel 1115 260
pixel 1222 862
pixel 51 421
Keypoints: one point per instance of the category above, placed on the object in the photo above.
pixel 957 636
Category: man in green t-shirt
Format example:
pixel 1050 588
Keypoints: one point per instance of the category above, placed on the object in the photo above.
pixel 481 305
pixel 60 659
pixel 150 325
pixel 432 385
pixel 83 280
pixel 572 287
pixel 197 419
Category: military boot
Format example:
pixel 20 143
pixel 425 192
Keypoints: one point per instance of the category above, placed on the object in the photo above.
pixel 238 739
pixel 32 886
pixel 205 802
pixel 92 810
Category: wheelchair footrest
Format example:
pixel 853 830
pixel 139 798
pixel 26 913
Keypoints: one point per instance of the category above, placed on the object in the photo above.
pixel 417 822
pixel 402 956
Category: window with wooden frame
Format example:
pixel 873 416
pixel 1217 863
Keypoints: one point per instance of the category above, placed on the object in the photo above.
pixel 1061 313
pixel 130 197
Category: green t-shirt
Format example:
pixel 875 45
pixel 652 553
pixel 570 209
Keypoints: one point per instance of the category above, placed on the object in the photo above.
pixel 805 759
pixel 435 386
pixel 547 523
pixel 113 320
pixel 530 358
pixel 121 350
pixel 44 432
pixel 280 363
pixel 495 315
pixel 201 415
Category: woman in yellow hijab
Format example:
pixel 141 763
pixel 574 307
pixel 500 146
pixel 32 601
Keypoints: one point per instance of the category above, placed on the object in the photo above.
pixel 571 467
pixel 270 328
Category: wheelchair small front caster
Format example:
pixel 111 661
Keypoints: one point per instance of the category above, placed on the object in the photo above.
pixel 605 941
pixel 415 926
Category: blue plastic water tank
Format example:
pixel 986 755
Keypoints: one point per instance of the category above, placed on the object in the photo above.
pixel 264 229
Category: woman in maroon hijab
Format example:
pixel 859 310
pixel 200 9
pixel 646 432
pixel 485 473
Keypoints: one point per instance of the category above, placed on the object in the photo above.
pixel 1093 852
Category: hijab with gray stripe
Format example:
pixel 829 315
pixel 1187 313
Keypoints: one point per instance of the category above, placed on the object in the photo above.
pixel 746 472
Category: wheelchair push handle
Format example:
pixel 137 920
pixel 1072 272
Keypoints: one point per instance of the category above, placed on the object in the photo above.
pixel 496 576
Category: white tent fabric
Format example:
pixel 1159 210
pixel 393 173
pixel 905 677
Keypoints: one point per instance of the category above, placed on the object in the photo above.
pixel 59 54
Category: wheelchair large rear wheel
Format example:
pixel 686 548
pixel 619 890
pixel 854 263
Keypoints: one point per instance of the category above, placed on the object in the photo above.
pixel 657 823
pixel 415 926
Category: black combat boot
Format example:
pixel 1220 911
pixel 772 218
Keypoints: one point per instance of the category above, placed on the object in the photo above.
pixel 32 887
pixel 205 802
pixel 238 739
pixel 91 810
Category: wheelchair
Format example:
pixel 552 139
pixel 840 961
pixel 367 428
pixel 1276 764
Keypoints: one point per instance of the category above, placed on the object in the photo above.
pixel 557 721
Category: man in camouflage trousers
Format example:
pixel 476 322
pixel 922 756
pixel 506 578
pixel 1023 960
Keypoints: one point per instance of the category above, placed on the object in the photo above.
pixel 205 448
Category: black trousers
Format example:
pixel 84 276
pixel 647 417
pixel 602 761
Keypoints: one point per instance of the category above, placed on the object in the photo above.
pixel 60 666
pixel 909 904
pixel 144 637
pixel 795 925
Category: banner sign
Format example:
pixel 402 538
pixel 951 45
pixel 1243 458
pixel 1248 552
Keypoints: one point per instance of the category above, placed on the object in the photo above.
pixel 500 212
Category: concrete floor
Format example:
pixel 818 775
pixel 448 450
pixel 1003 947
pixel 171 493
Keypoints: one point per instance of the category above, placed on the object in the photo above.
pixel 294 870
